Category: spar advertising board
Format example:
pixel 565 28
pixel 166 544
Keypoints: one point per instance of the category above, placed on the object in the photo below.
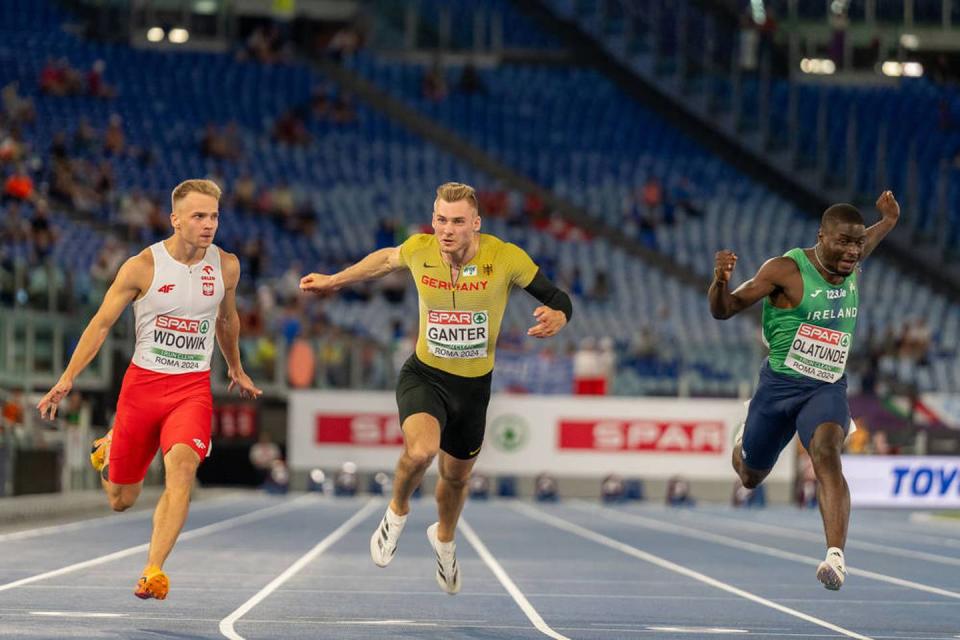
pixel 903 481
pixel 526 435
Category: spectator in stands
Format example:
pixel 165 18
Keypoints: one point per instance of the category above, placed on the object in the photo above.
pixel 915 341
pixel 86 138
pixel 16 108
pixel 96 85
pixel 590 375
pixel 601 287
pixel 470 81
pixel 13 409
pixel 263 454
pixel 19 185
pixel 434 85
pixel 114 140
pixel 12 147
pixel 290 129
pixel 344 44
pixel 880 444
pixel 343 112
pixel 245 192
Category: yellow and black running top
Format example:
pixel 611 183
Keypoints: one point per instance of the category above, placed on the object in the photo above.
pixel 460 320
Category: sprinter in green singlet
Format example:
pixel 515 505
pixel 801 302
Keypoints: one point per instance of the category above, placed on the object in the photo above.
pixel 810 305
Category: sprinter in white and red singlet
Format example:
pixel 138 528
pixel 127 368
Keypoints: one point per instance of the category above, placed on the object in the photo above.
pixel 183 294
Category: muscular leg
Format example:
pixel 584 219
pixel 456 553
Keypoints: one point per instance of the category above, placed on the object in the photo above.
pixel 751 478
pixel 421 441
pixel 121 496
pixel 451 493
pixel 833 495
pixel 181 464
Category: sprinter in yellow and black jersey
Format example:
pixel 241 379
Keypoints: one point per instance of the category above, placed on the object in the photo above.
pixel 463 280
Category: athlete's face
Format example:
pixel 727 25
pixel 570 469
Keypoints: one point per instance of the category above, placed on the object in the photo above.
pixel 196 218
pixel 455 224
pixel 841 246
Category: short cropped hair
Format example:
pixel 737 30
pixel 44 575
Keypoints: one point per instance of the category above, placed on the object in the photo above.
pixel 206 187
pixel 455 192
pixel 841 214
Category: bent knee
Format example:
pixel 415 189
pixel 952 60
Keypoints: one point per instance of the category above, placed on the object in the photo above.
pixel 121 502
pixel 421 456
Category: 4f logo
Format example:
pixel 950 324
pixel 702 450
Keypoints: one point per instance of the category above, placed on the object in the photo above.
pixel 200 444
pixel 167 288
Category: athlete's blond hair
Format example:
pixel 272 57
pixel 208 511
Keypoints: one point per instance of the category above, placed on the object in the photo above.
pixel 455 192
pixel 196 185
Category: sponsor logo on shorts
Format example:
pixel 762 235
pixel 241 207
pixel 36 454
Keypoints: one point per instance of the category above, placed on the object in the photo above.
pixel 610 434
pixel 509 432
pixel 167 288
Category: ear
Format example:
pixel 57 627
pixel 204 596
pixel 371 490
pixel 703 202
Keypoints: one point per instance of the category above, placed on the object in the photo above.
pixel 476 223
pixel 174 220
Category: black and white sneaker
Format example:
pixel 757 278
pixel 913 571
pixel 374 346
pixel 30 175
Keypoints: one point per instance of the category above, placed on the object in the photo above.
pixel 383 542
pixel 832 570
pixel 448 571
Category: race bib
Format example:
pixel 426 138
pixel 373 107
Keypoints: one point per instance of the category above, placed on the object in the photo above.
pixel 458 334
pixel 818 352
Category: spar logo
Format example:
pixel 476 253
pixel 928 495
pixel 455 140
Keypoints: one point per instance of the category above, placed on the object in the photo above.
pixel 824 335
pixel 359 430
pixel 610 434
pixel 182 325
pixel 453 317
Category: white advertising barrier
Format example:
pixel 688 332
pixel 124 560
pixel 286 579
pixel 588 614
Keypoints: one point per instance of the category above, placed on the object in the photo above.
pixel 903 481
pixel 526 435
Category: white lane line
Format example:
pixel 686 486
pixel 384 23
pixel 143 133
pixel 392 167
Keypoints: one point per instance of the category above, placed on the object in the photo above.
pixel 253 516
pixel 108 519
pixel 507 583
pixel 226 625
pixel 599 538
pixel 77 614
pixel 851 544
pixel 716 538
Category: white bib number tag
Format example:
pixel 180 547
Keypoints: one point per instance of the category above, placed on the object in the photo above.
pixel 458 334
pixel 819 353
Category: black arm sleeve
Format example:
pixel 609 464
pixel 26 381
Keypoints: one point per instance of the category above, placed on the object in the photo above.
pixel 546 292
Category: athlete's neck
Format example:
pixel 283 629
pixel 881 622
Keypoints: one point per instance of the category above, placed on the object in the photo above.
pixel 184 252
pixel 460 258
pixel 830 276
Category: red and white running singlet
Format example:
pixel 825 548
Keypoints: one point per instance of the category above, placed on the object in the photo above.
pixel 177 317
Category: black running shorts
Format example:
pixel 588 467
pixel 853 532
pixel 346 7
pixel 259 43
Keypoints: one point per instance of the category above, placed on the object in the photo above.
pixel 459 404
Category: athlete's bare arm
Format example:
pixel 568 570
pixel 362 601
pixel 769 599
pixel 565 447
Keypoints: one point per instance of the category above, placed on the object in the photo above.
pixel 889 214
pixel 376 265
pixel 132 278
pixel 772 276
pixel 228 329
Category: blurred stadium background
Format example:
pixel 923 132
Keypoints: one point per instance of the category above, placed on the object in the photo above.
pixel 621 143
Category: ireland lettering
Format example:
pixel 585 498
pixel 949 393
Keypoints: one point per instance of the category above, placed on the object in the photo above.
pixel 832 314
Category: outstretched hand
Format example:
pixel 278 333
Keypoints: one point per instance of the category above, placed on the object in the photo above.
pixel 549 322
pixel 48 404
pixel 243 382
